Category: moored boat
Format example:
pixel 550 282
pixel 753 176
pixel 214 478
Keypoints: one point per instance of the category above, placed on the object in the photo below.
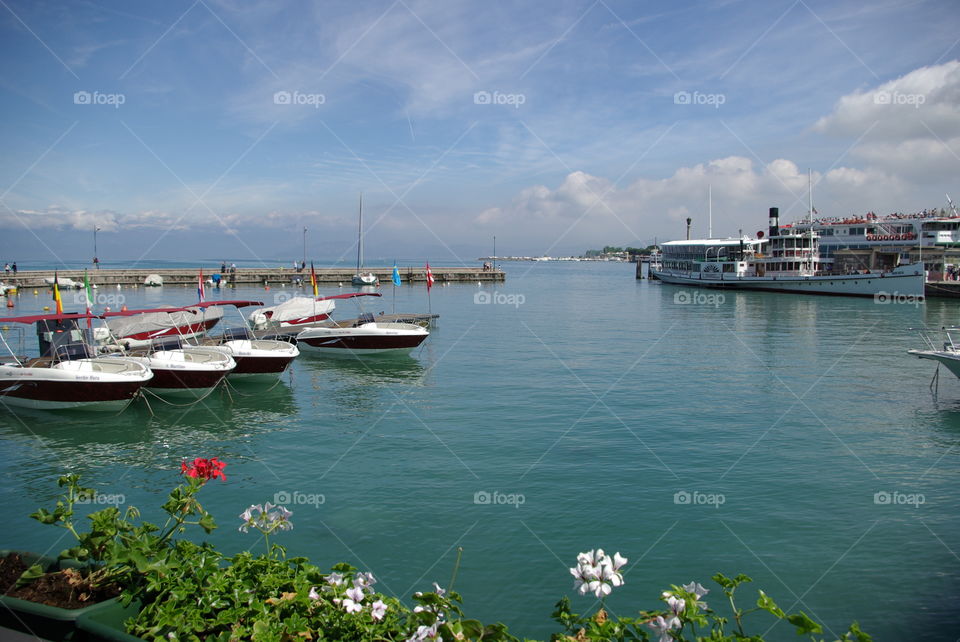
pixel 67 375
pixel 364 337
pixel 787 261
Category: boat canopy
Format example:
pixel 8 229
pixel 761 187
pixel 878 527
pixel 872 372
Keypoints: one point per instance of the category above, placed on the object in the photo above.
pixel 49 317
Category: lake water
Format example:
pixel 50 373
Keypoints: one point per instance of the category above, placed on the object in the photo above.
pixel 786 437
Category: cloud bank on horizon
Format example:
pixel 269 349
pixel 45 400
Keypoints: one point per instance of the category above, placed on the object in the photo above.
pixel 214 128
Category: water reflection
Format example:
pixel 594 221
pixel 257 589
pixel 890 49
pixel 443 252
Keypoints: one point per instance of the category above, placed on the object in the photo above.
pixel 145 432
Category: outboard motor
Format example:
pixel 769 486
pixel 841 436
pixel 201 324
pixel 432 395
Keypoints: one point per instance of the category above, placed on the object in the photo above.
pixel 774 221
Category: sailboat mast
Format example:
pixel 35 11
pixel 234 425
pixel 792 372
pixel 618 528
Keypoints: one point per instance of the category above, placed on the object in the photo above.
pixel 360 237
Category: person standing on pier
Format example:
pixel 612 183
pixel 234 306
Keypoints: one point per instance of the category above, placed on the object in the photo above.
pixel 14 266
pixel 6 268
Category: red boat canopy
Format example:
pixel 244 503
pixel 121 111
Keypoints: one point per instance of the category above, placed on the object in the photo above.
pixel 205 304
pixel 49 317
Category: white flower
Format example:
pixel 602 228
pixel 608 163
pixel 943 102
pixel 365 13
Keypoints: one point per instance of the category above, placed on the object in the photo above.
pixel 439 591
pixel 663 627
pixel 377 610
pixel 365 581
pixel 696 589
pixel 350 606
pixel 355 593
pixel 676 604
pixel 597 573
pixel 425 633
pixel 335 579
pixel 313 595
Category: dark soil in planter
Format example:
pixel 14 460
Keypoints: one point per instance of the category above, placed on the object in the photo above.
pixel 11 567
pixel 66 589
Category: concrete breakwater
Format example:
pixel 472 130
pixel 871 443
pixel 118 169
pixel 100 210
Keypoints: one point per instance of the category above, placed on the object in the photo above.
pixel 255 276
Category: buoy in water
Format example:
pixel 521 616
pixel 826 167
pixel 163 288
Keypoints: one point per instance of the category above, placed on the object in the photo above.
pixel 267 288
pixel 34 293
pixel 123 308
pixel 46 308
pixel 9 302
pixel 106 309
pixel 118 286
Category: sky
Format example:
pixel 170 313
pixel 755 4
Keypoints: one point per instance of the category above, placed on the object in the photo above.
pixel 206 129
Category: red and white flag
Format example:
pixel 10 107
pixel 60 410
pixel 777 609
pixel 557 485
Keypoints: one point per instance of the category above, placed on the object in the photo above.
pixel 429 277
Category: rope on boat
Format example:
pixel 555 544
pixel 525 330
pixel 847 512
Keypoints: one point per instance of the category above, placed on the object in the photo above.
pixel 935 382
pixel 233 389
pixel 178 405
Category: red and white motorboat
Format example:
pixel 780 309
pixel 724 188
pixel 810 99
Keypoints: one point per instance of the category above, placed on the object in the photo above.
pixel 182 371
pixel 255 358
pixel 66 375
pixel 140 328
pixel 363 336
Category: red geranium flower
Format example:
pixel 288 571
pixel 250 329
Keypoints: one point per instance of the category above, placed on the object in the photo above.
pixel 204 469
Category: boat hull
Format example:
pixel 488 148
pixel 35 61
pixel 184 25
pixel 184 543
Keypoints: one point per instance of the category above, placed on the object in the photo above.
pixel 77 386
pixel 364 340
pixel 906 283
pixel 950 360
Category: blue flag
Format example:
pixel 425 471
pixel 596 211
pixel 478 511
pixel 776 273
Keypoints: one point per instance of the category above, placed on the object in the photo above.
pixel 396 275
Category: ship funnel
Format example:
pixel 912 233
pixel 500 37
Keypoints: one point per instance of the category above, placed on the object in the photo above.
pixel 774 221
pixel 689 221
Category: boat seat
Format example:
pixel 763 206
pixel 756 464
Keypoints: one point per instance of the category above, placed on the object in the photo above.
pixel 366 317
pixel 39 362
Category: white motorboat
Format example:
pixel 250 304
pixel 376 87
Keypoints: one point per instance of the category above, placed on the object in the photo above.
pixel 256 358
pixel 787 261
pixel 182 371
pixel 66 375
pixel 946 352
pixel 363 337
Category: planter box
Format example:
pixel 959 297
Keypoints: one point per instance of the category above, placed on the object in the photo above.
pixel 106 624
pixel 40 620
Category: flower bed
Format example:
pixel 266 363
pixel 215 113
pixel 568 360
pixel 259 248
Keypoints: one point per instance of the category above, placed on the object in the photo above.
pixel 176 589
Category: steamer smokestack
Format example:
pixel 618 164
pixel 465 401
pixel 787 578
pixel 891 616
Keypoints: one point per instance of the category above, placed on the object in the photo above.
pixel 774 221
pixel 689 221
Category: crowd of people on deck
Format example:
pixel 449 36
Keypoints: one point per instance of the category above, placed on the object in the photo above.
pixel 7 268
pixel 871 216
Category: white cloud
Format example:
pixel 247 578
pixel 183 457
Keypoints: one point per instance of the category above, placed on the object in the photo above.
pixel 911 106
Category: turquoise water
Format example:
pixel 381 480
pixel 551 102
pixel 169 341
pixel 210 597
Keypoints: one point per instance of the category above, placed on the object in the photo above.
pixel 603 403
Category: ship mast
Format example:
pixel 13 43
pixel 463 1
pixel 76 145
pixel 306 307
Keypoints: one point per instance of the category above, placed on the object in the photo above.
pixel 709 211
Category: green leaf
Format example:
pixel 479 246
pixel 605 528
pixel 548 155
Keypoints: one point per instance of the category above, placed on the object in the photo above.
pixel 30 575
pixel 854 633
pixel 804 624
pixel 766 603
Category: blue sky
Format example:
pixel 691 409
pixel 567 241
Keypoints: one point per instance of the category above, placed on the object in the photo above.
pixel 205 129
